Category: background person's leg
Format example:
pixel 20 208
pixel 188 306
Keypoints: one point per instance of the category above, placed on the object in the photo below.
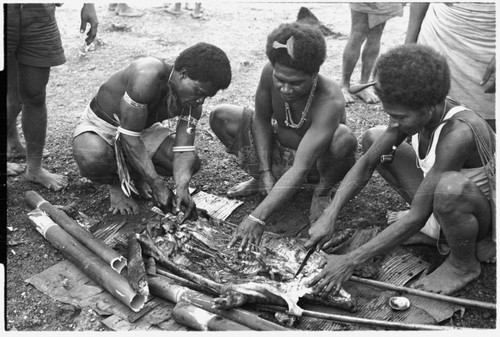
pixel 32 83
pixel 352 50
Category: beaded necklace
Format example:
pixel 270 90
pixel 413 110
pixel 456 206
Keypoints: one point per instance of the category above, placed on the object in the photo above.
pixel 288 115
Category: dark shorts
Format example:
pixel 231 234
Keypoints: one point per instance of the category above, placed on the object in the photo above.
pixel 244 150
pixel 32 35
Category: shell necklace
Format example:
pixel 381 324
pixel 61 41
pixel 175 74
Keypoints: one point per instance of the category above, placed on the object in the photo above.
pixel 288 115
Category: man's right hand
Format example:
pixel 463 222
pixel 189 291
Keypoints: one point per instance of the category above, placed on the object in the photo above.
pixel 163 196
pixel 320 233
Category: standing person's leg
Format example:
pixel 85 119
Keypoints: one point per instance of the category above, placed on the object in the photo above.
pixel 369 55
pixel 352 50
pixel 465 218
pixel 15 149
pixel 32 83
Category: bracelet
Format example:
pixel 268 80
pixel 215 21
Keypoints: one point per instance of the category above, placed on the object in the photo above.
pixel 184 148
pixel 262 171
pixel 260 222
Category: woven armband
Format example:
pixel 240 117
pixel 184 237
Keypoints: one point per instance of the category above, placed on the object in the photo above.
pixel 127 132
pixel 133 103
pixel 184 148
pixel 191 120
pixel 254 219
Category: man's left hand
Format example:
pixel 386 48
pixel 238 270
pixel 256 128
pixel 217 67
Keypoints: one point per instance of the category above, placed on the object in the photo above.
pixel 88 16
pixel 250 234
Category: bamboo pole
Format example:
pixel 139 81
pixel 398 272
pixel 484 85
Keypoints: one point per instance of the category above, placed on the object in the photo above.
pixel 91 264
pixel 159 286
pixel 136 271
pixel 203 320
pixel 110 256
pixel 439 297
pixel 358 320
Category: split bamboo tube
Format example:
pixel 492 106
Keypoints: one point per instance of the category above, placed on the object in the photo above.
pixel 202 320
pixel 91 264
pixel 161 287
pixel 115 260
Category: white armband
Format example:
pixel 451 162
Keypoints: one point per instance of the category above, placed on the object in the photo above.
pixel 184 148
pixel 127 132
pixel 133 103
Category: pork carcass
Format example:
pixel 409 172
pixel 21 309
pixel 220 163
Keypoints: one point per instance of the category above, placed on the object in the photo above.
pixel 198 250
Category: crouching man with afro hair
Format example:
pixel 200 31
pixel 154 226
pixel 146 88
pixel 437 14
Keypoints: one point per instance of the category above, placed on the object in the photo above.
pixel 126 130
pixel 297 132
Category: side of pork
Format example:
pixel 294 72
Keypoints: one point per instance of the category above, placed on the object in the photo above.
pixel 264 276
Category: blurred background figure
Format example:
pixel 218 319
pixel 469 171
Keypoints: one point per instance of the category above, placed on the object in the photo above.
pixel 122 9
pixel 465 34
pixel 176 9
pixel 367 25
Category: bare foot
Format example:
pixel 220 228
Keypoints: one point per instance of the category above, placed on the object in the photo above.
pixel 144 189
pixel 368 95
pixel 486 251
pixel 244 189
pixel 393 216
pixel 347 96
pixel 15 150
pixel 14 169
pixel 52 181
pixel 120 203
pixel 447 278
pixel 318 205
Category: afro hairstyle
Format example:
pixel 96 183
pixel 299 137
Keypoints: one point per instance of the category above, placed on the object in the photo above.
pixel 412 75
pixel 205 62
pixel 309 47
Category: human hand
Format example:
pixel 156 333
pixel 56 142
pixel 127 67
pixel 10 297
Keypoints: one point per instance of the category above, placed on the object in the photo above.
pixel 489 77
pixel 266 182
pixel 184 198
pixel 338 269
pixel 89 16
pixel 162 195
pixel 320 233
pixel 250 233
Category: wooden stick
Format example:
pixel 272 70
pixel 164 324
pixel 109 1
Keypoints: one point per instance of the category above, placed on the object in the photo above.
pixel 115 260
pixel 358 320
pixel 185 282
pixel 439 297
pixel 136 271
pixel 150 249
pixel 203 320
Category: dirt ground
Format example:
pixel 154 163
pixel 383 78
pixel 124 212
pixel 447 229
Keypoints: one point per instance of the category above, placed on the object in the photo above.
pixel 239 29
